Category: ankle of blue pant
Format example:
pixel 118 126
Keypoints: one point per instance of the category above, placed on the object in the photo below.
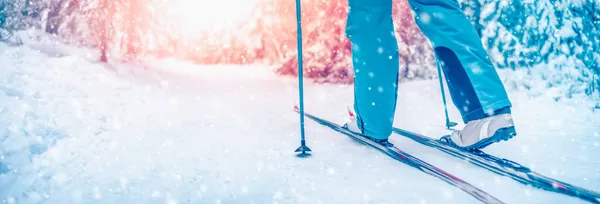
pixel 372 134
pixel 376 136
pixel 480 114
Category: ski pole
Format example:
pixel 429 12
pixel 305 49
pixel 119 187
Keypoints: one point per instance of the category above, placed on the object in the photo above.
pixel 303 148
pixel 448 123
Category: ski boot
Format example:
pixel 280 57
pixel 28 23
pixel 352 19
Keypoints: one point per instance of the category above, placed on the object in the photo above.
pixel 478 134
pixel 352 126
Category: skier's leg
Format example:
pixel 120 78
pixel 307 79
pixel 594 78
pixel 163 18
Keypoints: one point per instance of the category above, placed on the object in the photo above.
pixel 474 84
pixel 475 87
pixel 375 62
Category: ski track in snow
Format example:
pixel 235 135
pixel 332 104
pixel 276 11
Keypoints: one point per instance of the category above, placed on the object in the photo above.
pixel 75 131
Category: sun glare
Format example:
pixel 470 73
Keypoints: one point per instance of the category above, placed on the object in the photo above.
pixel 193 16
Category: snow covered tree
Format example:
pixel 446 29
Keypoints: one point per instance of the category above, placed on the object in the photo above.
pixel 20 14
pixel 563 34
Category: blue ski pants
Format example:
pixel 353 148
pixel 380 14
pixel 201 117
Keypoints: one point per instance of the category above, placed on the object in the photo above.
pixel 474 84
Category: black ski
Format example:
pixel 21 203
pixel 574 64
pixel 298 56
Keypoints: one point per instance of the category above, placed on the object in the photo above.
pixel 412 161
pixel 505 167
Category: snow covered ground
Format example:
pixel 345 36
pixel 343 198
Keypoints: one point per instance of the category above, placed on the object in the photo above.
pixel 166 131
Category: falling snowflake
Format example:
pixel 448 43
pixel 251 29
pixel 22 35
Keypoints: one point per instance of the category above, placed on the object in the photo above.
pixel 60 178
pixel 527 192
pixel 525 149
pixel 331 171
pixel 448 195
pixel 260 166
pixel 171 201
pixel 425 18
pixel 476 69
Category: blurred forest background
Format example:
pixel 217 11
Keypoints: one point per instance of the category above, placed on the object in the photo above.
pixel 557 41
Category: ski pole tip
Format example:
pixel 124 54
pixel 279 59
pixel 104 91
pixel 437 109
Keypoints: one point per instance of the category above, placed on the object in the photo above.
pixel 303 149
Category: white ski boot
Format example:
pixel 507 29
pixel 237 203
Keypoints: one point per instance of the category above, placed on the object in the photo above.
pixel 478 134
pixel 352 125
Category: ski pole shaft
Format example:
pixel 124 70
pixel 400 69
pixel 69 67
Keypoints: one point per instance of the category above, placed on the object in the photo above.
pixel 448 123
pixel 300 80
pixel 303 148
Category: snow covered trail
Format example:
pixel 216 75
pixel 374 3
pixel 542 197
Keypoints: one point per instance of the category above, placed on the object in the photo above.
pixel 75 131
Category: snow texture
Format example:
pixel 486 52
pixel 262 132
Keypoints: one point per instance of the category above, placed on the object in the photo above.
pixel 169 131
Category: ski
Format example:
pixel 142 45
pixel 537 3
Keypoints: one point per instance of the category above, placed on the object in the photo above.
pixel 412 161
pixel 505 167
